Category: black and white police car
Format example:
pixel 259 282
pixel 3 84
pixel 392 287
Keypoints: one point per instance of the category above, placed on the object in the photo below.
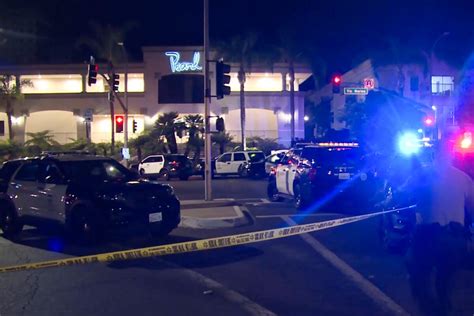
pixel 88 194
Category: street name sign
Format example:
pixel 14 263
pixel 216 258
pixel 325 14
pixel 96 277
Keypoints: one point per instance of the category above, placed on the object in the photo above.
pixel 356 91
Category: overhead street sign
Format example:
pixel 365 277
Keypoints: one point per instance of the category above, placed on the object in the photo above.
pixel 356 91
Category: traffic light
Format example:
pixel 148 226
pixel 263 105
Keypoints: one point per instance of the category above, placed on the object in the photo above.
pixel 220 127
pixel 429 121
pixel 336 83
pixel 222 79
pixel 134 126
pixel 119 120
pixel 115 82
pixel 92 71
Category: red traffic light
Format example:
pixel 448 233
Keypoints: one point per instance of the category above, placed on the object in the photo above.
pixel 119 120
pixel 429 121
pixel 336 79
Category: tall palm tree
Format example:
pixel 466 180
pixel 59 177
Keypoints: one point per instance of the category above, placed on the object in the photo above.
pixel 195 126
pixel 139 142
pixel 104 44
pixel 290 49
pixel 168 126
pixel 222 139
pixel 241 50
pixel 10 93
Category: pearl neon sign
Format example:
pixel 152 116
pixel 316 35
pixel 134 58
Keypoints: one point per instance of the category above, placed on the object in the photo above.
pixel 182 66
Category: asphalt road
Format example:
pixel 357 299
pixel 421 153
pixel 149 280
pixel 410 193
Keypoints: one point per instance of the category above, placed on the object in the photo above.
pixel 338 271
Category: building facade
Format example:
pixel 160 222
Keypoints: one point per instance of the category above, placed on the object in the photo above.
pixel 430 88
pixel 168 79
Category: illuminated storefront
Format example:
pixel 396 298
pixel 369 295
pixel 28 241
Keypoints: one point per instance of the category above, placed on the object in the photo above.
pixel 168 79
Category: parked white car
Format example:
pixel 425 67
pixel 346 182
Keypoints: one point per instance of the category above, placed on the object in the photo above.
pixel 151 165
pixel 231 163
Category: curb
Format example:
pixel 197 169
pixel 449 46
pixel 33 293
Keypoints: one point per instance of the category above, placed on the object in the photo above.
pixel 243 218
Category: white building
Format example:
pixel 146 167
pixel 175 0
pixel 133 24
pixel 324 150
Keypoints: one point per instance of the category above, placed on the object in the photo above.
pixel 431 91
pixel 168 79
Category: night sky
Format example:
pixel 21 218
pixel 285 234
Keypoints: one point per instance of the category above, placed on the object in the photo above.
pixel 341 32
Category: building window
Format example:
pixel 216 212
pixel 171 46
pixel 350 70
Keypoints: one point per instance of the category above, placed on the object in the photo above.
pixel 414 83
pixel 2 128
pixel 136 83
pixel 181 88
pixel 69 83
pixel 442 84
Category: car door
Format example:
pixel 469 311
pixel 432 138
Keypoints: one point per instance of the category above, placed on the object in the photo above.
pixel 238 160
pixel 24 189
pixel 52 186
pixel 145 165
pixel 291 174
pixel 281 175
pixel 157 164
pixel 223 163
pixel 272 161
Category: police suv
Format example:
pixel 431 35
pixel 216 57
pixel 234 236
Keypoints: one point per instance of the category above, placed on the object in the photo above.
pixel 323 171
pixel 88 194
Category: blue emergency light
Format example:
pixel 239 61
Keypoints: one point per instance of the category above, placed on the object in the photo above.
pixel 409 144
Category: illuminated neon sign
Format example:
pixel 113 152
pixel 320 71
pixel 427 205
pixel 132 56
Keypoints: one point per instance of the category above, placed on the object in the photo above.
pixel 181 66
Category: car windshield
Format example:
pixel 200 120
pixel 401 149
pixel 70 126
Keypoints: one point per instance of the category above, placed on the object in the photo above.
pixel 96 171
pixel 256 156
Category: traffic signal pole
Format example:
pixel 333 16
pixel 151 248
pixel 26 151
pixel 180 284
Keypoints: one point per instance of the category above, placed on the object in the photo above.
pixel 207 110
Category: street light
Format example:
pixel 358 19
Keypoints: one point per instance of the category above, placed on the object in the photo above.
pixel 125 138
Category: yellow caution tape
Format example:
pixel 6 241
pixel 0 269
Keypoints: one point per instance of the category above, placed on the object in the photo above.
pixel 197 245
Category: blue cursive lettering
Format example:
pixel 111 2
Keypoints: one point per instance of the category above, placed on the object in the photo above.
pixel 178 66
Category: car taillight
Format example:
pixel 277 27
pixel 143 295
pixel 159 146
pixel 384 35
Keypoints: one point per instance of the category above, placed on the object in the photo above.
pixel 312 174
pixel 174 163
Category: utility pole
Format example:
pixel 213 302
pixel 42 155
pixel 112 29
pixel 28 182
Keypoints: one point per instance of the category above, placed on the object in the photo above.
pixel 125 127
pixel 207 110
pixel 112 110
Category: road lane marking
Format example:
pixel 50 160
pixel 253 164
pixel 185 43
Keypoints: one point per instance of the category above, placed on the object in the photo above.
pixel 265 201
pixel 379 297
pixel 230 295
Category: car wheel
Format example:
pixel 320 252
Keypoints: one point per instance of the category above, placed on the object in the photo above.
pixel 298 200
pixel 142 172
pixel 272 192
pixel 244 173
pixel 9 222
pixel 165 174
pixel 86 227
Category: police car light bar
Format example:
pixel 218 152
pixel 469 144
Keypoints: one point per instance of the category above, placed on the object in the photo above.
pixel 337 144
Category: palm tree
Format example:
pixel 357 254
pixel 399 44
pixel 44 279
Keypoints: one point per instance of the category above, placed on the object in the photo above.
pixel 195 127
pixel 290 50
pixel 139 143
pixel 104 44
pixel 222 139
pixel 168 126
pixel 10 92
pixel 40 141
pixel 241 50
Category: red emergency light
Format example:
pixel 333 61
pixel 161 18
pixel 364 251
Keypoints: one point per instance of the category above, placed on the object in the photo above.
pixel 429 121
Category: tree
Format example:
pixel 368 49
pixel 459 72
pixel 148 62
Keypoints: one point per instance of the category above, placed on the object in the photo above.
pixel 195 127
pixel 10 93
pixel 40 141
pixel 104 44
pixel 381 119
pixel 168 126
pixel 241 50
pixel 139 143
pixel 222 139
pixel 290 49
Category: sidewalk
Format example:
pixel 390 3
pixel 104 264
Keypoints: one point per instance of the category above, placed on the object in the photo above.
pixel 219 213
